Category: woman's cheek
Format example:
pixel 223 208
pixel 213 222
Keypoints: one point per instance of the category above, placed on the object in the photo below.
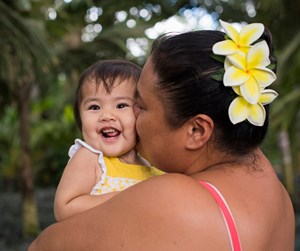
pixel 137 127
pixel 136 110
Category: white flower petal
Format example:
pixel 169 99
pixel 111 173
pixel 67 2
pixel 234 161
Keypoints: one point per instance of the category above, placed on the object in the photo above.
pixel 234 76
pixel 225 47
pixel 257 115
pixel 264 76
pixel 251 90
pixel 227 63
pixel 238 110
pixel 230 31
pixel 267 96
pixel 258 55
pixel 237 90
pixel 251 33
pixel 239 60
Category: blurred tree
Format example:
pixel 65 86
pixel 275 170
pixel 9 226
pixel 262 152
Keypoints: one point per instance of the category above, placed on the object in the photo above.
pixel 22 59
pixel 26 78
pixel 285 122
pixel 47 44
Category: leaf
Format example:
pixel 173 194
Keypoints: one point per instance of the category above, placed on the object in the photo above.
pixel 218 58
pixel 271 66
pixel 218 75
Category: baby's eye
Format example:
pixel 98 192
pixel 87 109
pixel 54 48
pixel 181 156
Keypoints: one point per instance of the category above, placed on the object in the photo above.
pixel 94 107
pixel 122 105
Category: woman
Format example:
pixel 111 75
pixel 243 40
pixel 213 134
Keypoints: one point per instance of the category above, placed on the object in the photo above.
pixel 221 192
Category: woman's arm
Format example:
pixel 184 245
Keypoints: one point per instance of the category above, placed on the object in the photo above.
pixel 73 192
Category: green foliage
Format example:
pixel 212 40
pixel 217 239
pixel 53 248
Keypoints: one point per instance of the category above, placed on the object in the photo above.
pixel 52 49
pixel 218 75
pixel 23 47
pixel 52 139
pixel 9 143
pixel 51 42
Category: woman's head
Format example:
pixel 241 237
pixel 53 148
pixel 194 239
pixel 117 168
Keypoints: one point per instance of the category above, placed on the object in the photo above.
pixel 107 73
pixel 184 66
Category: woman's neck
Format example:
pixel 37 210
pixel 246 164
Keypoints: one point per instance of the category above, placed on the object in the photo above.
pixel 217 160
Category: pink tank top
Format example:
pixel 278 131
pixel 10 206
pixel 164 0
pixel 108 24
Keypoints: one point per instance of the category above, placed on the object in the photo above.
pixel 228 218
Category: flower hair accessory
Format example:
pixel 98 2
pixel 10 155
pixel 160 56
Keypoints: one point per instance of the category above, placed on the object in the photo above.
pixel 246 72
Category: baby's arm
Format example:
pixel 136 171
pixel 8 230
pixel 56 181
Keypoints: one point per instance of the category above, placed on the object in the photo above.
pixel 73 192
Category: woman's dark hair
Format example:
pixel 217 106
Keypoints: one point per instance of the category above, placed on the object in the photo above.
pixel 184 66
pixel 105 72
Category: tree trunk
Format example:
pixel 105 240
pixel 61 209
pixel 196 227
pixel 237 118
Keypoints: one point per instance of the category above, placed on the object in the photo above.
pixel 284 144
pixel 30 212
pixel 297 140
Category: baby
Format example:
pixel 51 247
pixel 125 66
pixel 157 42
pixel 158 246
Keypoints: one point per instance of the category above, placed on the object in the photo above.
pixel 106 161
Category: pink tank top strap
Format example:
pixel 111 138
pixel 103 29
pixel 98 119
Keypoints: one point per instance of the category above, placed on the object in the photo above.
pixel 228 218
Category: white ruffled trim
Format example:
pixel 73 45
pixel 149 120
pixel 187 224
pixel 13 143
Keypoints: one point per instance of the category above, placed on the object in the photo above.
pixel 78 144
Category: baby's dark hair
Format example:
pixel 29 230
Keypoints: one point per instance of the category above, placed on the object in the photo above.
pixel 108 73
pixel 184 66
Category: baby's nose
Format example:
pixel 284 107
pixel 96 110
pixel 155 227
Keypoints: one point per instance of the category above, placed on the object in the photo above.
pixel 107 115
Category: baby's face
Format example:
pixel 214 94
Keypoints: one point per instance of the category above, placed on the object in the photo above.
pixel 108 119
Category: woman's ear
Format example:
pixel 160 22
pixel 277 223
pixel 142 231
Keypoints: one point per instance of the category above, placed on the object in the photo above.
pixel 200 129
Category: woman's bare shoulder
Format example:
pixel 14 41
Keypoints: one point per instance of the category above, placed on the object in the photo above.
pixel 162 213
pixel 176 190
pixel 167 183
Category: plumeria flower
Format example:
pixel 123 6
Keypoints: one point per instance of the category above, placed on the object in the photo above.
pixel 250 72
pixel 246 72
pixel 239 41
pixel 240 110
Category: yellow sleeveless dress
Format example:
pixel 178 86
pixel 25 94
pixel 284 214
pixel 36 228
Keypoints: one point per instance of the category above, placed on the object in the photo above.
pixel 116 175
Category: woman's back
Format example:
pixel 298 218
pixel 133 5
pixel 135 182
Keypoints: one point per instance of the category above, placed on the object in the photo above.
pixel 260 205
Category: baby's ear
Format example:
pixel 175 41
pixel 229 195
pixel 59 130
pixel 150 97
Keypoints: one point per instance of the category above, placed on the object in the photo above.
pixel 199 131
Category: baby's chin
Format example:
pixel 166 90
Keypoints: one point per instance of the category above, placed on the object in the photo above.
pixel 113 153
pixel 110 154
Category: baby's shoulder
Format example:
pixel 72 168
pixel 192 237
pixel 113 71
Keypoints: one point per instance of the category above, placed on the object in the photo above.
pixel 85 156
